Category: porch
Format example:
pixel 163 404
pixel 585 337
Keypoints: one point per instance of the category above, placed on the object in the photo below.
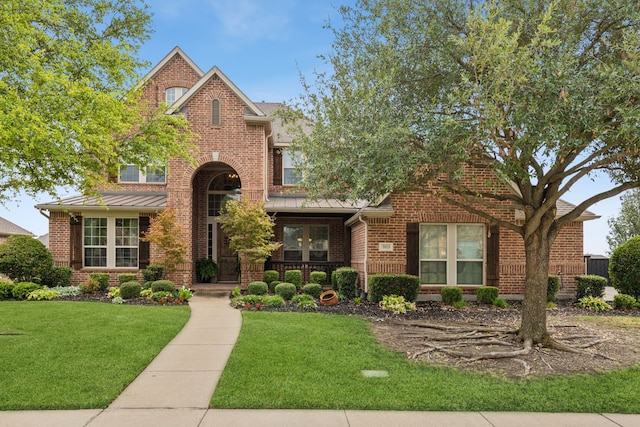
pixel 305 267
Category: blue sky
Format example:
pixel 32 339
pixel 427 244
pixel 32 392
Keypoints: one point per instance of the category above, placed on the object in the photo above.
pixel 263 47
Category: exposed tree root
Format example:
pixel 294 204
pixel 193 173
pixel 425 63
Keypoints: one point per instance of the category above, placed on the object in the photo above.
pixel 527 367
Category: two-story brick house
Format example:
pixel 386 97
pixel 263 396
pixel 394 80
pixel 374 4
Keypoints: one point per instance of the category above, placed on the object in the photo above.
pixel 243 152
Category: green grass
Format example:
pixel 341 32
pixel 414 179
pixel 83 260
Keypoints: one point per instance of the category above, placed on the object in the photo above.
pixel 292 360
pixel 71 355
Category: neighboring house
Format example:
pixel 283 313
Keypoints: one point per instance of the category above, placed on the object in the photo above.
pixel 7 228
pixel 244 152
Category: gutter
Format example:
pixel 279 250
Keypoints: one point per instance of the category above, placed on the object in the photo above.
pixel 366 255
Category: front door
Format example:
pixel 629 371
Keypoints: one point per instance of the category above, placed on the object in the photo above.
pixel 227 258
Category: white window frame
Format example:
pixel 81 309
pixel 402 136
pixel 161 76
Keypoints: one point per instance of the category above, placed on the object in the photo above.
pixel 112 241
pixel 289 158
pixel 142 176
pixel 172 94
pixel 306 242
pixel 451 258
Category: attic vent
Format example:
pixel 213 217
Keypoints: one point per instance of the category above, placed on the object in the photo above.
pixel 215 112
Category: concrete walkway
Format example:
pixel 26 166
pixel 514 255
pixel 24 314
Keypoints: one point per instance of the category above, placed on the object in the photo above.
pixel 175 390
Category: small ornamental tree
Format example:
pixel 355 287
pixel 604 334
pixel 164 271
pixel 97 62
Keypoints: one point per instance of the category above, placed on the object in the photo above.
pixel 250 230
pixel 170 238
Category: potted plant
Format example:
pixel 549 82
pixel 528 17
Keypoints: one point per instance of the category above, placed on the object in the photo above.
pixel 206 269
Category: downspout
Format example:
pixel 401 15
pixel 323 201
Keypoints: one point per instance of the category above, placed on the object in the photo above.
pixel 366 256
pixel 266 166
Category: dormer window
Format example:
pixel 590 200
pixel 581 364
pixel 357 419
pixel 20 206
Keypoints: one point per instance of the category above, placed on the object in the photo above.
pixel 174 93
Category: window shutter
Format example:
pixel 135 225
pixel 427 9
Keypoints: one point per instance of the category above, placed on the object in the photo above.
pixel 76 242
pixel 215 112
pixel 413 248
pixel 493 256
pixel 144 250
pixel 277 167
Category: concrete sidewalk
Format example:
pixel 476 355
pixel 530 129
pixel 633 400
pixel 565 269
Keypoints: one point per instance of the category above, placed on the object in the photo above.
pixel 175 390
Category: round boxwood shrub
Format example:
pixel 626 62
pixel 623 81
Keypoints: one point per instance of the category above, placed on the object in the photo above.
pixel 24 259
pixel 6 289
pixel 152 273
pixel 257 288
pixel 319 277
pixel 269 276
pixel 286 290
pixel 624 267
pixel 23 289
pixel 624 302
pixel 451 294
pixel 313 289
pixel 57 276
pixel 163 286
pixel 272 286
pixel 127 277
pixel 295 277
pixel 101 278
pixel 487 294
pixel 130 290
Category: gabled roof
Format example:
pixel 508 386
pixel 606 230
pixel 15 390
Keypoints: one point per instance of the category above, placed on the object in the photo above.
pixel 119 200
pixel 175 51
pixel 7 228
pixel 252 109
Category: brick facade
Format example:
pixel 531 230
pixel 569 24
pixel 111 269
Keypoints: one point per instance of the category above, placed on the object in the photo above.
pixel 242 144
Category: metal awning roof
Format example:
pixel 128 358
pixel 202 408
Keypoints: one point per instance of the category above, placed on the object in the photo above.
pixel 301 204
pixel 138 201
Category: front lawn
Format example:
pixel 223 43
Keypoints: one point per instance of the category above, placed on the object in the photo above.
pixel 71 355
pixel 293 360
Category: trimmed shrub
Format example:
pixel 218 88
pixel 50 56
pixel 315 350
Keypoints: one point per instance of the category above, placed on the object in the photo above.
pixel 451 294
pixel 57 276
pixel 500 303
pixel 319 277
pixel 272 286
pixel 102 279
pixel 313 289
pixel 163 286
pixel 624 302
pixel 147 285
pixel 273 301
pixel 487 294
pixel 624 268
pixel 590 285
pixel 152 273
pixel 269 276
pixel 334 284
pixel 257 288
pixel 23 289
pixel 6 290
pixel 130 290
pixel 403 285
pixel 295 277
pixel 346 279
pixel 25 259
pixel 286 290
pixel 127 277
pixel 553 286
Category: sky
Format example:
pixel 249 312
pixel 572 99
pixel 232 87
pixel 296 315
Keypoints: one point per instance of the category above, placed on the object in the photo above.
pixel 264 47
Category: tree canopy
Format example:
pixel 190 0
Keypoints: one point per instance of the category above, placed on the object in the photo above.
pixel 70 110
pixel 541 94
pixel 627 224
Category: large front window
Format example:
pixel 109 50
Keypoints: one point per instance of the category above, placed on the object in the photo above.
pixel 306 243
pixel 452 254
pixel 111 242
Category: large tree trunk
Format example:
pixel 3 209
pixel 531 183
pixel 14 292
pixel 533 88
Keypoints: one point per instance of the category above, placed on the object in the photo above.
pixel 534 307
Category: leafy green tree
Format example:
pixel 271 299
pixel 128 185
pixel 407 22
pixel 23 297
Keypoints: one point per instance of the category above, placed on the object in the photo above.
pixel 170 239
pixel 627 224
pixel 25 259
pixel 250 230
pixel 70 107
pixel 536 94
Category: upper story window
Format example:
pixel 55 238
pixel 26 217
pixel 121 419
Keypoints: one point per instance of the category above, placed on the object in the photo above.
pixel 174 93
pixel 151 174
pixel 289 172
pixel 216 118
pixel 452 254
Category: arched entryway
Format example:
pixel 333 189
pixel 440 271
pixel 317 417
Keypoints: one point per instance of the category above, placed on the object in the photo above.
pixel 214 185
